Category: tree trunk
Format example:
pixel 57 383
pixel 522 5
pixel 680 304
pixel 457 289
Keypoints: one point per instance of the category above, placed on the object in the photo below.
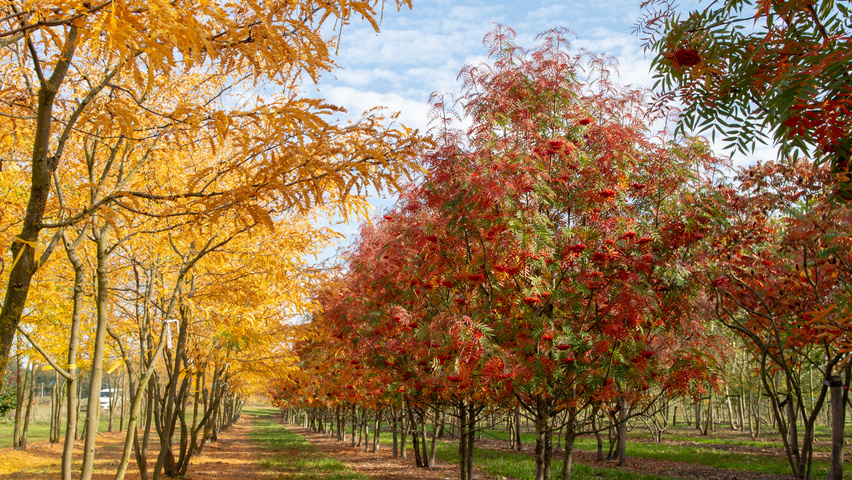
pixel 708 425
pixel 354 425
pixel 403 429
pixel 439 418
pixel 698 416
pixel 21 381
pixel 395 432
pixel 519 444
pixel 568 458
pixel 78 434
pixel 622 432
pixel 730 407
pixel 424 448
pixel 377 430
pixel 467 431
pixel 415 441
pixel 93 408
pixel 598 438
pixel 53 432
pixel 111 402
pixel 22 441
pixel 543 440
pixel 838 422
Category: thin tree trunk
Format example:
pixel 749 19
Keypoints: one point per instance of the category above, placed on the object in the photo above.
pixel 22 442
pixel 467 429
pixel 622 432
pixel 394 432
pixel 598 438
pixel 354 425
pixel 838 423
pixel 519 444
pixel 22 379
pixel 730 407
pixel 543 440
pixel 377 430
pixel 439 418
pixel 403 429
pixel 570 435
pixel 93 408
pixel 698 416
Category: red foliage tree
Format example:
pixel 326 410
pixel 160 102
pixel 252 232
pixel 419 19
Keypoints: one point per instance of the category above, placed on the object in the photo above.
pixel 780 278
pixel 548 256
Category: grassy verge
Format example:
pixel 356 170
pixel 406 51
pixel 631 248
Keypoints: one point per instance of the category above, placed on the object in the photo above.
pixel 522 467
pixel 503 464
pixel 705 452
pixel 294 457
pixel 39 431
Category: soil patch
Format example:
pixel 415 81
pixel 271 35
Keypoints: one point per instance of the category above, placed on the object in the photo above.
pixel 234 456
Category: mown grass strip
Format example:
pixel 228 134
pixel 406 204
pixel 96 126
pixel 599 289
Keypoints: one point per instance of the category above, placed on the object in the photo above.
pixel 522 467
pixel 39 431
pixel 704 452
pixel 295 458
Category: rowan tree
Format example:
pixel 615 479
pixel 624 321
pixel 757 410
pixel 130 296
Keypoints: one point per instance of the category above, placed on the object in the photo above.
pixel 749 70
pixel 581 225
pixel 780 279
pixel 549 254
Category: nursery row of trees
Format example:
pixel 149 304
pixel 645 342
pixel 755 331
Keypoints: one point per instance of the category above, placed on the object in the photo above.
pixel 562 261
pixel 159 174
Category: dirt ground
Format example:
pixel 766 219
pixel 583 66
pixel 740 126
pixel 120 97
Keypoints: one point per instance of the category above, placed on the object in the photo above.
pixel 233 457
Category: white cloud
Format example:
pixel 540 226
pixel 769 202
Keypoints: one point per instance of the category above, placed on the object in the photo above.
pixel 413 113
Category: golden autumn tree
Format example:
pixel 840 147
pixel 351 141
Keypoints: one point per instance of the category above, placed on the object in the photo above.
pixel 131 80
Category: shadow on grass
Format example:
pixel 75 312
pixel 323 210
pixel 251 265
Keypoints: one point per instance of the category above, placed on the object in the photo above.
pixel 522 466
pixel 293 456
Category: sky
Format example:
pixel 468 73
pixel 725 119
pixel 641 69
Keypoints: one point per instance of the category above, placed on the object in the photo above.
pixel 420 51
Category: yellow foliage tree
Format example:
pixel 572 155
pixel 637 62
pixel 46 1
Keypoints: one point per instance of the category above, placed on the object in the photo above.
pixel 138 82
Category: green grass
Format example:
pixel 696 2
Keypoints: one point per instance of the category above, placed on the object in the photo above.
pixel 40 431
pixel 295 458
pixel 518 465
pixel 709 456
pixel 522 466
pixel 707 451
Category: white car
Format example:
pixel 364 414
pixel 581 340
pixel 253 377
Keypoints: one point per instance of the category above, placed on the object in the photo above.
pixel 105 397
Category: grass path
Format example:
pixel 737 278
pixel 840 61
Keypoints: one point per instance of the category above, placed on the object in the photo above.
pixel 288 455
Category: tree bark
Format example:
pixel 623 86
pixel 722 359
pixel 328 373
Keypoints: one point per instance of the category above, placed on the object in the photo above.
pixel 543 440
pixel 570 435
pixel 93 408
pixel 21 381
pixel 22 442
pixel 519 444
pixel 622 432
pixel 23 246
pixel 838 422
pixel 377 430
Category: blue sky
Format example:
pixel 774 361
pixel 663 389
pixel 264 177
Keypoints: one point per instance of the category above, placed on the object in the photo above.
pixel 420 51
